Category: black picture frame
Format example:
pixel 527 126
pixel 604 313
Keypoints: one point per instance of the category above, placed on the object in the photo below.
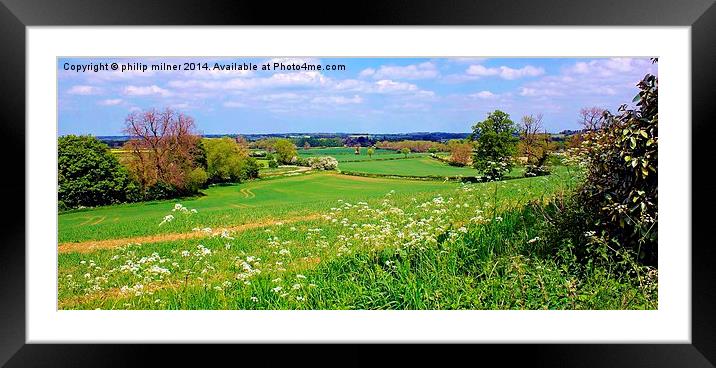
pixel 16 15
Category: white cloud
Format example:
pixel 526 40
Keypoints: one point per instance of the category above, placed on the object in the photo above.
pixel 338 100
pixel 389 86
pixel 83 90
pixel 424 70
pixel 234 104
pixel 484 94
pixel 146 91
pixel 111 102
pixel 538 92
pixel 504 72
pixel 592 78
pixel 282 97
pixel 367 72
pixel 182 105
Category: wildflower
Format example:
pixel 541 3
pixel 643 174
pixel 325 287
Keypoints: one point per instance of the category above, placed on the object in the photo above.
pixel 167 218
pixel 296 286
pixel 254 299
pixel 300 276
pixel 284 252
pixel 533 240
pixel 225 235
pixel 277 289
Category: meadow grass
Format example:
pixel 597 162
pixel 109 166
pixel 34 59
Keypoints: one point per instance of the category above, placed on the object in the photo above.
pixel 413 166
pixel 450 246
pixel 347 154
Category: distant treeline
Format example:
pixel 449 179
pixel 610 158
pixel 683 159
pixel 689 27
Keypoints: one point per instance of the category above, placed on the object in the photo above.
pixel 320 139
pixel 340 139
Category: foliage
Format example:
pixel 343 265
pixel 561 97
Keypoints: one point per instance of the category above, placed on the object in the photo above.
pixel 536 170
pixel 619 196
pixel 460 153
pixel 370 151
pixel 285 150
pixel 164 150
pixel 197 179
pixel 272 164
pixel 227 161
pixel 323 163
pixel 250 170
pixel 89 175
pixel 496 141
pixel 405 151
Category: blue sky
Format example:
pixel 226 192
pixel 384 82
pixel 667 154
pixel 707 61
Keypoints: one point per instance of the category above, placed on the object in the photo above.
pixel 373 95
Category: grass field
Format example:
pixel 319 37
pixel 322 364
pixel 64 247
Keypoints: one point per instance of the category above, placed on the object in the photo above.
pixel 235 205
pixel 326 241
pixel 415 166
pixel 347 154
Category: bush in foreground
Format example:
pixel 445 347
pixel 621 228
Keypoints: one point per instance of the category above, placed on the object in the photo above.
pixel 89 175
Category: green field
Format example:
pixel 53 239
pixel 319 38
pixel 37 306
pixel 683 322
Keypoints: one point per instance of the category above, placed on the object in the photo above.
pixel 324 240
pixel 347 154
pixel 235 205
pixel 297 223
pixel 415 166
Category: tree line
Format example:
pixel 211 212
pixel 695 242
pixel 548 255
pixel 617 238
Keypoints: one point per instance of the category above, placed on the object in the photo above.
pixel 165 158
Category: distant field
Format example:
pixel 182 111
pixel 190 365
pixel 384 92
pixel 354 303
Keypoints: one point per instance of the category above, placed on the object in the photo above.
pixel 343 154
pixel 420 166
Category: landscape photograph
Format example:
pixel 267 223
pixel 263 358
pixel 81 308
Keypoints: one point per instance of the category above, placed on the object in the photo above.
pixel 322 183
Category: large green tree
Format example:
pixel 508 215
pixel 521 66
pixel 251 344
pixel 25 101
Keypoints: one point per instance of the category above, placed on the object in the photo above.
pixel 228 161
pixel 285 150
pixel 90 175
pixel 496 138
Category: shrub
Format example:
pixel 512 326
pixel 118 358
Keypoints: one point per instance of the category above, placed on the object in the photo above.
pixel 90 175
pixel 323 163
pixel 196 179
pixel 250 170
pixel 161 190
pixel 272 164
pixel 535 170
pixel 618 200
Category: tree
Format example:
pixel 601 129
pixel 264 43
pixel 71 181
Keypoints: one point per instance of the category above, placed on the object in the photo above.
pixel 496 141
pixel 532 144
pixel 370 152
pixel 225 160
pixel 591 118
pixel 405 151
pixel 285 150
pixel 306 145
pixel 460 153
pixel 90 175
pixel 163 148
